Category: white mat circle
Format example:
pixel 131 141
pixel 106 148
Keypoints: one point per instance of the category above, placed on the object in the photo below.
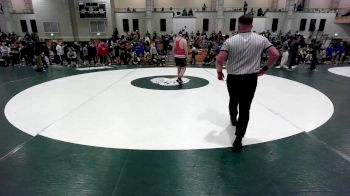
pixel 103 109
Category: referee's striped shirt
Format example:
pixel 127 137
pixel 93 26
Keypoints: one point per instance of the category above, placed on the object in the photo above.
pixel 244 52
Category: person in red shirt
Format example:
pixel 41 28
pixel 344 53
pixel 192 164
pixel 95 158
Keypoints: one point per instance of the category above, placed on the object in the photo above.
pixel 180 52
pixel 102 52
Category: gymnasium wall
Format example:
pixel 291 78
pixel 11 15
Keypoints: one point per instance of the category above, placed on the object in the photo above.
pixel 58 11
pixel 130 3
pixel 251 3
pixel 181 3
pixel 18 5
pixel 46 11
pixel 344 4
pixel 130 16
pixel 163 3
pixel 320 3
pixel 83 25
pixel 330 28
pixel 206 15
pixel 168 16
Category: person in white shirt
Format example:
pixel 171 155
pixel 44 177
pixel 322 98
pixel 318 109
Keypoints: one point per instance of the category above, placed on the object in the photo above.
pixel 194 52
pixel 285 56
pixel 154 54
pixel 243 67
pixel 60 52
pixel 147 39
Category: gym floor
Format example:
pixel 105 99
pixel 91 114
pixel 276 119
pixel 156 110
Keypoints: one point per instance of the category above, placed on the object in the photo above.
pixel 130 130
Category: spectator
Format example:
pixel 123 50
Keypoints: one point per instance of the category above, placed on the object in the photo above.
pixel 37 57
pixel 339 51
pixel 184 12
pixel 102 52
pixel 154 54
pixel 252 12
pixel 329 52
pixel 60 52
pixel 204 7
pixel 245 7
pixel 300 8
pixel 92 53
pixel 72 57
pixel 194 52
pixel 85 57
pixel 190 12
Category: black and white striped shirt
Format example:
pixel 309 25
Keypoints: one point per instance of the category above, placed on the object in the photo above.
pixel 244 52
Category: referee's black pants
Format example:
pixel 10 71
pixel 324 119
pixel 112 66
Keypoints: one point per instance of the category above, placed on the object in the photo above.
pixel 241 89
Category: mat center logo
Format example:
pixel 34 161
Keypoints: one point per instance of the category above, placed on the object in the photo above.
pixel 168 81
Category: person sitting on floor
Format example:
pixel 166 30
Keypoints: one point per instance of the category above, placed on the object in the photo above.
pixel 208 60
pixel 184 12
pixel 72 56
pixel 190 12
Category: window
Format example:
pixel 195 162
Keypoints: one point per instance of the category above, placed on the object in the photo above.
pixel 51 27
pixel 302 24
pixel 232 24
pixel 322 24
pixel 162 25
pixel 135 24
pixel 312 26
pixel 126 25
pixel 33 25
pixel 24 25
pixel 206 24
pixel 274 24
pixel 97 26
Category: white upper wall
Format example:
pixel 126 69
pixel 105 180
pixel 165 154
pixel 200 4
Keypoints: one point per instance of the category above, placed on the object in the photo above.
pixel 251 3
pixel 328 4
pixel 130 3
pixel 162 3
pixel 46 11
pixel 320 3
pixel 282 4
pixel 228 3
pixel 344 4
pixel 330 27
pixel 206 15
pixel 58 11
pixel 18 5
pixel 181 3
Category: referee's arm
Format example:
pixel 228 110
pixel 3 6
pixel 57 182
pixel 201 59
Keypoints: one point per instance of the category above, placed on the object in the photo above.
pixel 220 60
pixel 273 56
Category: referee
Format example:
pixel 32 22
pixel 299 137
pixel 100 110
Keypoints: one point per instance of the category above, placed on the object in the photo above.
pixel 243 53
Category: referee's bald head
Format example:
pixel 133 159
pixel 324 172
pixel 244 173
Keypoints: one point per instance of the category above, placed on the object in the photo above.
pixel 246 19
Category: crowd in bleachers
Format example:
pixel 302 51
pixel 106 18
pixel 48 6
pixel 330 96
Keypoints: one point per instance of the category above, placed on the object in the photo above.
pixel 131 48
pixel 295 50
pixel 153 49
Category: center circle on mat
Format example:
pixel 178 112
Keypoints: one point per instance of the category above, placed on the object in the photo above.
pixel 168 82
pixel 104 109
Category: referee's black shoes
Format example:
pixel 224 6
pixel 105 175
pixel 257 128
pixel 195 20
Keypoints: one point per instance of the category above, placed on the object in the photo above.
pixel 237 145
pixel 233 122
